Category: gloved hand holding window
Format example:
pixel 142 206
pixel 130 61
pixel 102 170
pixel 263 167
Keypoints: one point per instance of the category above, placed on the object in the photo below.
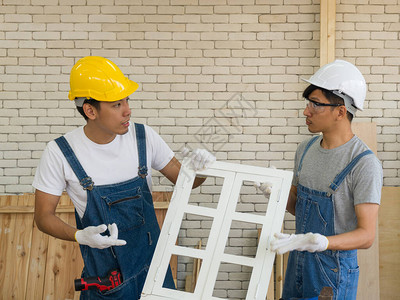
pixel 200 159
pixel 311 242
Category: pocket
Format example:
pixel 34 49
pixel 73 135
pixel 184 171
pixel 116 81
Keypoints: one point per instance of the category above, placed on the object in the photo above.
pixel 329 270
pixel 124 291
pixel 125 208
pixel 309 216
pixel 352 283
pixel 318 218
pixel 129 289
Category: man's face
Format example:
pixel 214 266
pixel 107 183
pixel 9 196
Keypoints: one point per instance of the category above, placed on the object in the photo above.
pixel 318 117
pixel 113 117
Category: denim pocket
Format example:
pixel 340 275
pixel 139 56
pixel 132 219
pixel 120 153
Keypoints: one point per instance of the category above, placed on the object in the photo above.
pixel 329 269
pixel 316 212
pixel 352 283
pixel 125 208
pixel 124 291
pixel 311 217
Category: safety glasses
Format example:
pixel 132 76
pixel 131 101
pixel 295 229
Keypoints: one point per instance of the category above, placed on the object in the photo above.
pixel 316 107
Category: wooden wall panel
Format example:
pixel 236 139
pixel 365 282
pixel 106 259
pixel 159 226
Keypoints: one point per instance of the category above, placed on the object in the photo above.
pixel 368 259
pixel 389 243
pixel 12 253
pixel 64 262
pixel 327 31
pixel 34 265
pixel 37 264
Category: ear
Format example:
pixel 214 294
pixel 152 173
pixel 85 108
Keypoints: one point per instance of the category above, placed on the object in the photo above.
pixel 90 111
pixel 342 112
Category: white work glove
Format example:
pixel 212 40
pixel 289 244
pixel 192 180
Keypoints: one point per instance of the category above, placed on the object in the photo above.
pixel 265 188
pixel 200 159
pixel 311 242
pixel 91 236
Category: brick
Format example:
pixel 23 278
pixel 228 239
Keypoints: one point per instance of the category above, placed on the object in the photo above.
pixel 97 18
pixel 17 171
pixel 217 53
pixel 161 52
pixel 98 27
pixel 200 61
pixel 18 35
pixel 60 44
pixel 21 53
pixel 8 180
pixel 202 10
pixel 216 19
pixel 273 18
pixel 186 19
pixel 19 70
pixel 189 53
pixel 186 36
pixel 8 78
pixel 243 18
pixel 370 9
pixel 158 35
pixel 17 18
pixel 46 18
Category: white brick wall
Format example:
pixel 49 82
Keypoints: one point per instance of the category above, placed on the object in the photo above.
pixel 227 67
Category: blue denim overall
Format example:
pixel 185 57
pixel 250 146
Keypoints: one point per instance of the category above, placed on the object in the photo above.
pixel 129 204
pixel 307 273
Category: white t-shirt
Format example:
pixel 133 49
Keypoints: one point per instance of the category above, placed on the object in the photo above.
pixel 109 163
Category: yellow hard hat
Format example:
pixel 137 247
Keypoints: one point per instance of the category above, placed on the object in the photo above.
pixel 100 79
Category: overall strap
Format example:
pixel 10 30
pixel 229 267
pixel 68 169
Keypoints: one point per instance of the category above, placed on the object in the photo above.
pixel 141 144
pixel 342 175
pixel 84 180
pixel 312 141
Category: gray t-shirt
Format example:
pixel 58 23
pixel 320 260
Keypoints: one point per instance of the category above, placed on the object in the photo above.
pixel 362 185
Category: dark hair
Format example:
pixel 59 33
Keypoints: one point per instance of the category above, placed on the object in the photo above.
pixel 332 98
pixel 93 102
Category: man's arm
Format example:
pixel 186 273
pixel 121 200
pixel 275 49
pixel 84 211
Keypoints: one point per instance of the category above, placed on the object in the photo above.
pixel 46 219
pixel 360 238
pixel 48 222
pixel 171 172
pixel 291 204
pixel 364 235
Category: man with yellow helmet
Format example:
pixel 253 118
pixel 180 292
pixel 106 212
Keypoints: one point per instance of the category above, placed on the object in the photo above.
pixel 105 167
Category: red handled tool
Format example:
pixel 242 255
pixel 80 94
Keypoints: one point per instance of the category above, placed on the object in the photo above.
pixel 112 280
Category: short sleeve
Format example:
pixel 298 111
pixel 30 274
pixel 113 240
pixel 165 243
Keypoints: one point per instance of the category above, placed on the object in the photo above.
pixel 161 153
pixel 49 176
pixel 368 180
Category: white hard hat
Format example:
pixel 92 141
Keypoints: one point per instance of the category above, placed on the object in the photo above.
pixel 344 80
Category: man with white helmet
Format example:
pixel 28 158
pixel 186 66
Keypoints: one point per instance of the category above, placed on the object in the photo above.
pixel 105 167
pixel 336 189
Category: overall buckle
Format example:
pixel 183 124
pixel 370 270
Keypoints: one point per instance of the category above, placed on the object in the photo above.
pixel 87 183
pixel 142 172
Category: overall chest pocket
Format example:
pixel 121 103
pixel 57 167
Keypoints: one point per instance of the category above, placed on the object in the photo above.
pixel 125 208
pixel 311 215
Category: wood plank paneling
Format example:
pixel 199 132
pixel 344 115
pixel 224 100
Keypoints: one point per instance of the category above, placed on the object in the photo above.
pixel 327 31
pixel 368 259
pixel 9 281
pixel 389 243
pixel 34 265
pixel 22 241
pixel 37 264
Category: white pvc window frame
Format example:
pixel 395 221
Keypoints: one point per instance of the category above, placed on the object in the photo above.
pixel 213 255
